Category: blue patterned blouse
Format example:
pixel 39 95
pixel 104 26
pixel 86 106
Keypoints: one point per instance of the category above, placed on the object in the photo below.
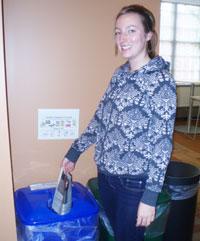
pixel 132 127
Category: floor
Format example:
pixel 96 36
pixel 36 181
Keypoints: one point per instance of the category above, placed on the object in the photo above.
pixel 187 149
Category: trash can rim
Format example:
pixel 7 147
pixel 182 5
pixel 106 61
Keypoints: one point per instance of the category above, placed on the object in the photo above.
pixel 177 173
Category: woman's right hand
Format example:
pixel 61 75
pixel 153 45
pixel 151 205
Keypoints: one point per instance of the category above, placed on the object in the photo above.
pixel 68 166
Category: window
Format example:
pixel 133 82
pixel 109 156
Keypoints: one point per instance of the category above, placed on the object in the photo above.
pixel 180 38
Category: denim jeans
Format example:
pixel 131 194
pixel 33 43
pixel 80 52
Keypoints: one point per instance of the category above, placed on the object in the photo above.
pixel 120 196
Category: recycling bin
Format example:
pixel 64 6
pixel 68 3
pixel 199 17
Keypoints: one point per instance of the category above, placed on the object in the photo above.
pixel 36 221
pixel 182 183
pixel 155 231
pixel 105 229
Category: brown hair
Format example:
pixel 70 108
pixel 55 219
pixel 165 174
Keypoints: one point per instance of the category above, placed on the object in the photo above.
pixel 148 21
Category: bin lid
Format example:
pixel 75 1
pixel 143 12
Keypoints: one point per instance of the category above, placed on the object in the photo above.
pixel 33 206
pixel 180 173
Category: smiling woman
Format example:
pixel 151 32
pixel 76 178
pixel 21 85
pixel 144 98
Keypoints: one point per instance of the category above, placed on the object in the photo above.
pixel 131 39
pixel 145 25
pixel 132 128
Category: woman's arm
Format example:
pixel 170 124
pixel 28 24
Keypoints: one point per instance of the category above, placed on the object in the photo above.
pixel 160 134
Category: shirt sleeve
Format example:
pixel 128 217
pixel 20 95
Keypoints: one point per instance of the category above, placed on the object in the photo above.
pixel 87 138
pixel 95 127
pixel 160 135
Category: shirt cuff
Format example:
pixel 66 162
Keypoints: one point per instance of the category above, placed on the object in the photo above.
pixel 72 155
pixel 150 197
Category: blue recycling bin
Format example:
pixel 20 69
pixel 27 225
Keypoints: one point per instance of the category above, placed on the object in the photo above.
pixel 36 221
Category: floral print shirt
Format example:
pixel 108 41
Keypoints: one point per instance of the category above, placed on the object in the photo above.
pixel 133 125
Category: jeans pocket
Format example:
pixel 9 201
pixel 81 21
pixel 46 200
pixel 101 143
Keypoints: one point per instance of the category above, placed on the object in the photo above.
pixel 132 184
pixel 108 181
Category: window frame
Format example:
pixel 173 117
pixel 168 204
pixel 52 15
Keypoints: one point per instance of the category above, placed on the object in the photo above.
pixel 174 42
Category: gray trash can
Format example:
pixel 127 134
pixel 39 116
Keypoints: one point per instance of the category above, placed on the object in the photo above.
pixel 182 183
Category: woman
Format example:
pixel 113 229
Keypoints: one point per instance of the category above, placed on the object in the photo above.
pixel 132 128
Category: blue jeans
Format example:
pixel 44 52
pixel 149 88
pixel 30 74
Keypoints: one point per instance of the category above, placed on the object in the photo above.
pixel 120 196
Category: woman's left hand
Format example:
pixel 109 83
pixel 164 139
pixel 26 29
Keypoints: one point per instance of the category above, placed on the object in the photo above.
pixel 145 215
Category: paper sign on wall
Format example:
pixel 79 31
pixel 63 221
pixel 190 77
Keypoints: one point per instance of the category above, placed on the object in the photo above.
pixel 58 124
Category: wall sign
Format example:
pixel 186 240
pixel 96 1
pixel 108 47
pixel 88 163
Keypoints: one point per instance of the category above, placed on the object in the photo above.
pixel 58 124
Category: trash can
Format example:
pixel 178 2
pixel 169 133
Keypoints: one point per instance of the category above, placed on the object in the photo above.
pixel 36 221
pixel 182 183
pixel 156 229
pixel 105 230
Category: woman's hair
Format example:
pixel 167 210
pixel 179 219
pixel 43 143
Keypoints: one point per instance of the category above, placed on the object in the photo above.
pixel 148 21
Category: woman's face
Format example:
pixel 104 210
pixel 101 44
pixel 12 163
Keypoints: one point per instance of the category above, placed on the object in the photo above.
pixel 130 37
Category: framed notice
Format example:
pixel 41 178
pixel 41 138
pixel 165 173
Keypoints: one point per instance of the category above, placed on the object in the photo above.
pixel 58 124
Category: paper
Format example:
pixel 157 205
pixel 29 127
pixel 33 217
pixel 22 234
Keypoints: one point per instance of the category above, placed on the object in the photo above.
pixel 58 124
